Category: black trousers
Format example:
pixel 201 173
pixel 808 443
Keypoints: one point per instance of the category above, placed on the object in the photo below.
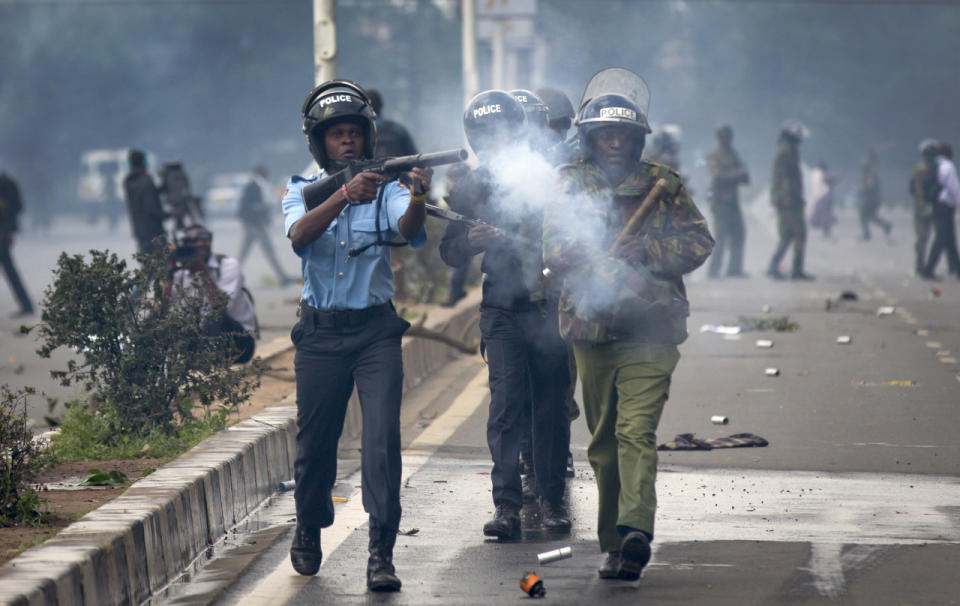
pixel 529 370
pixel 13 277
pixel 334 352
pixel 944 239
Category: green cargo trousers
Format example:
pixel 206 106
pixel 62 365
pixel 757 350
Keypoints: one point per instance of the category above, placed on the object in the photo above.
pixel 625 385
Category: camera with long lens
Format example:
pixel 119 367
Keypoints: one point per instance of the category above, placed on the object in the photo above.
pixel 186 253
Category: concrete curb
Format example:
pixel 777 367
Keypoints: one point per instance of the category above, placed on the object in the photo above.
pixel 133 546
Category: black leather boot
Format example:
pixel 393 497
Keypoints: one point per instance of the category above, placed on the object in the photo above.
pixel 381 575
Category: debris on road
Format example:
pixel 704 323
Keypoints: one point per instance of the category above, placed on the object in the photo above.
pixel 687 441
pixel 409 533
pixel 777 323
pixel 719 420
pixel 532 584
pixel 844 340
pixel 554 554
pixel 766 308
pixel 764 343
pixel 287 485
pixel 772 372
pixel 721 330
pixel 886 310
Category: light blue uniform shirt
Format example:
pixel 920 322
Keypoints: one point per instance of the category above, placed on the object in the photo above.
pixel 333 279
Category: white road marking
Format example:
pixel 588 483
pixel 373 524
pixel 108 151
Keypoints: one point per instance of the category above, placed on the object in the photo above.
pixel 283 583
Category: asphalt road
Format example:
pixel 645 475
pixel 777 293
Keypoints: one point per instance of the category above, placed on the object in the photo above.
pixel 856 500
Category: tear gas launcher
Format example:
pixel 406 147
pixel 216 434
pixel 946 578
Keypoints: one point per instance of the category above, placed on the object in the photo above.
pixel 391 168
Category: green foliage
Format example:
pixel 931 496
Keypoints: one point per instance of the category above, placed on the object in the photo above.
pixel 149 368
pixel 86 435
pixel 20 460
pixel 777 323
pixel 104 478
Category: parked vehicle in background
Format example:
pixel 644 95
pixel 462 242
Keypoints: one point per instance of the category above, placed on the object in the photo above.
pixel 100 183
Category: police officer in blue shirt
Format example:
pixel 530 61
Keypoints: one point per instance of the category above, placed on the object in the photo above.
pixel 348 332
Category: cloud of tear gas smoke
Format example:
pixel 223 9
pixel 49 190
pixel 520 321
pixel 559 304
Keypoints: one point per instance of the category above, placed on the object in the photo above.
pixel 525 184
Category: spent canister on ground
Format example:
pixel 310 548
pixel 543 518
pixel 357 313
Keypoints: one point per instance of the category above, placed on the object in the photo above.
pixel 719 420
pixel 555 554
pixel 532 584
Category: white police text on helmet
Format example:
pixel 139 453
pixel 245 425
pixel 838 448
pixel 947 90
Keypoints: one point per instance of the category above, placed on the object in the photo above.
pixel 618 112
pixel 335 99
pixel 485 110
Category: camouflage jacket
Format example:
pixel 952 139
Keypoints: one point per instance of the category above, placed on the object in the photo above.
pixel 635 293
pixel 726 173
pixel 786 186
pixel 924 188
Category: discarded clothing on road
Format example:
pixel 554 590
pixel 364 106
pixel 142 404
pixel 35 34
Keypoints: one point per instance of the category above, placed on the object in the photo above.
pixel 687 441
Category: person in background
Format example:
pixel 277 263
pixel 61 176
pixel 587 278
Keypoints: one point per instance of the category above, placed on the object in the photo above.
pixel 11 205
pixel 925 189
pixel 192 264
pixel 868 197
pixel 256 216
pixel 392 138
pixel 143 205
pixel 944 211
pixel 786 195
pixel 823 183
pixel 727 174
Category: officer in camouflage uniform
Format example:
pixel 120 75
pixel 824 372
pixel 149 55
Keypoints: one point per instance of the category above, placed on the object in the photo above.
pixel 786 195
pixel 727 173
pixel 623 307
pixel 924 188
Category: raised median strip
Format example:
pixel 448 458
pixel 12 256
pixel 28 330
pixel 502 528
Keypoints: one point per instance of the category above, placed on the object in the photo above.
pixel 130 548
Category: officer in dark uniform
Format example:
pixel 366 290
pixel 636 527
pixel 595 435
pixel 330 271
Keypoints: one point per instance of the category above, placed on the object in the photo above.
pixel 527 360
pixel 392 138
pixel 541 137
pixel 560 116
pixel 348 333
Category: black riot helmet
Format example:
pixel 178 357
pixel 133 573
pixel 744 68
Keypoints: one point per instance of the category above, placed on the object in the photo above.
pixel 332 102
pixel 560 112
pixel 493 119
pixel 538 122
pixel 611 109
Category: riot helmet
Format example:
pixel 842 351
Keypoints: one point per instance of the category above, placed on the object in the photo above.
pixel 610 110
pixel 538 122
pixel 794 129
pixel 929 147
pixel 493 119
pixel 614 96
pixel 560 112
pixel 332 102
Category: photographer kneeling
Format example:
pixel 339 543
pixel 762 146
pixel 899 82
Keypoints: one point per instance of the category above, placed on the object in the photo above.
pixel 191 264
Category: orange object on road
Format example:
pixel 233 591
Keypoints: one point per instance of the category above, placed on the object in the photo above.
pixel 532 584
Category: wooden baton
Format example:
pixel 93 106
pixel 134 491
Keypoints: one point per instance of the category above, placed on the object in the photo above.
pixel 641 213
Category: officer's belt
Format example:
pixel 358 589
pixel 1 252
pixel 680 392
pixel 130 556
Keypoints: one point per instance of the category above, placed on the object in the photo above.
pixel 343 317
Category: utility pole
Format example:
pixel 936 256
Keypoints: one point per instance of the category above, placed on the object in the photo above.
pixel 471 81
pixel 324 40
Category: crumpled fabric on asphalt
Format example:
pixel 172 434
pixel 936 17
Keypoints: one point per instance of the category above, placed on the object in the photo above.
pixel 687 441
